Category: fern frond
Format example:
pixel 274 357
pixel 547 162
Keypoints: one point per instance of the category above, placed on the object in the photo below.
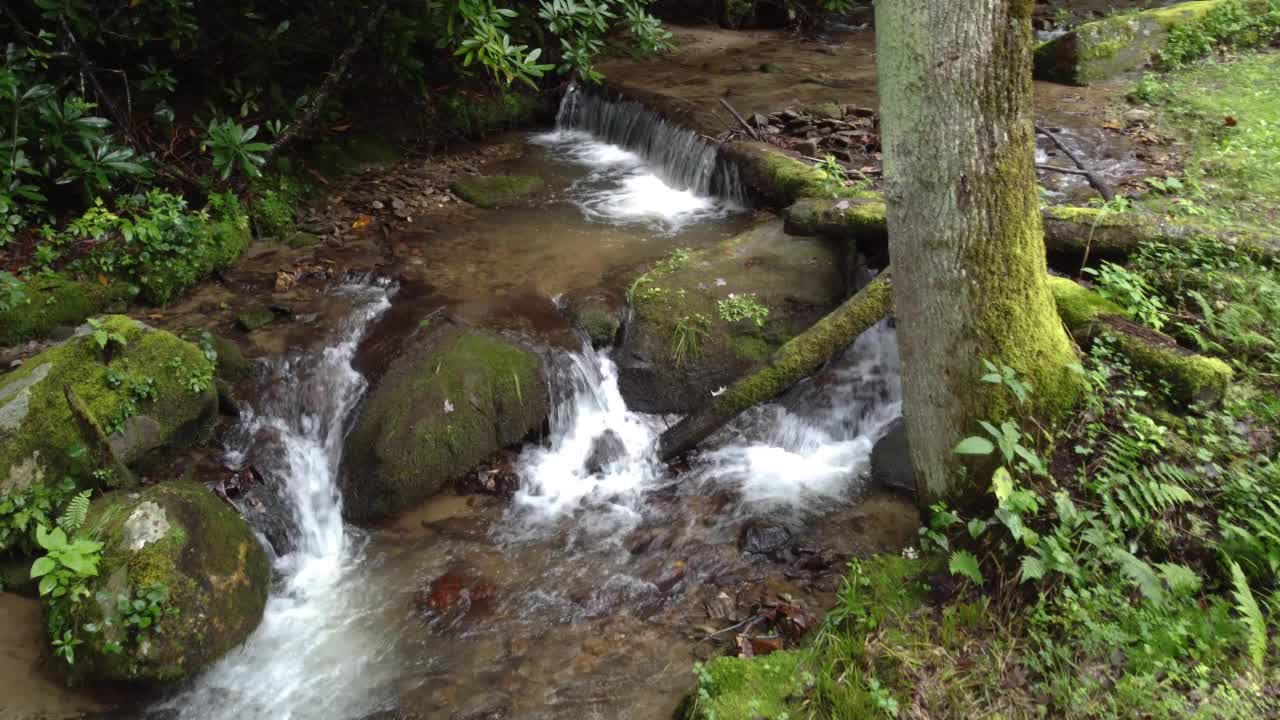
pixel 1141 573
pixel 74 514
pixel 1254 624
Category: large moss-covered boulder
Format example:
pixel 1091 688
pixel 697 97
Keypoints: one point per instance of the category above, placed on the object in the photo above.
pixel 1122 43
pixel 490 191
pixel 451 402
pixel 702 319
pixel 181 537
pixel 46 303
pixel 157 392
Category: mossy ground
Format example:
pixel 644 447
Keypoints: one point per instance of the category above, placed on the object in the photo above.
pixel 215 571
pixel 220 243
pixel 169 365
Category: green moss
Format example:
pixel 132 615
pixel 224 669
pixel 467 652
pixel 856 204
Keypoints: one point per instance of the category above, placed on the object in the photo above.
pixel 748 688
pixel 880 600
pixel 219 244
pixel 1190 377
pixel 1078 305
pixel 490 191
pixel 781 179
pixel 850 220
pixel 474 115
pixel 255 318
pixel 217 575
pixel 48 431
pixel 1105 48
pixel 804 354
pixel 440 411
pixel 827 109
pixel 54 301
pixel 751 347
pixel 301 239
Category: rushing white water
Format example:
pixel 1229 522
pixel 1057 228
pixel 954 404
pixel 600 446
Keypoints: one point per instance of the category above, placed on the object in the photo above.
pixel 318 651
pixel 796 455
pixel 622 187
pixel 811 449
pixel 679 156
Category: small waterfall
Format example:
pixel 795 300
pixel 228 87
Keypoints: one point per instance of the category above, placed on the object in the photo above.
pixel 685 159
pixel 316 653
pixel 590 426
pixel 793 456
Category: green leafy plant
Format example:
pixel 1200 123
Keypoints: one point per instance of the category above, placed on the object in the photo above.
pixel 737 307
pixel 107 339
pixel 234 149
pixel 1132 291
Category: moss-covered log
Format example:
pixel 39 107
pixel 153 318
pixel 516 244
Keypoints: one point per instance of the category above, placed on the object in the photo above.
pixel 779 178
pixel 1121 43
pixel 1068 230
pixel 797 359
pixel 1190 377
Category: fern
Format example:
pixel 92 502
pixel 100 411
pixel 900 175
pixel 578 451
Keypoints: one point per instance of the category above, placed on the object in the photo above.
pixel 1254 624
pixel 74 514
pixel 1135 494
pixel 1141 573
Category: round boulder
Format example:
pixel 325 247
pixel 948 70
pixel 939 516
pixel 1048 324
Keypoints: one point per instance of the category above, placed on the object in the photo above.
pixel 178 546
pixel 450 403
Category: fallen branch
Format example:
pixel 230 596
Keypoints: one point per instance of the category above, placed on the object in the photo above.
pixel 750 130
pixel 799 358
pixel 330 83
pixel 1094 179
pixel 1065 171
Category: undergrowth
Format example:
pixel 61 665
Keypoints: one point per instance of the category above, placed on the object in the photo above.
pixel 1125 564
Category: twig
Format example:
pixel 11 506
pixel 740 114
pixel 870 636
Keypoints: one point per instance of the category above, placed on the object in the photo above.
pixel 330 83
pixel 750 130
pixel 1094 179
pixel 1065 171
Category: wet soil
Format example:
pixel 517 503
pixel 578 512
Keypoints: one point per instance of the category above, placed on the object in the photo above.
pixel 30 688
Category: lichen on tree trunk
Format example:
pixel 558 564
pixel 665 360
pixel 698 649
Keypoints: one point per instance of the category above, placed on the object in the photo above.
pixel 964 226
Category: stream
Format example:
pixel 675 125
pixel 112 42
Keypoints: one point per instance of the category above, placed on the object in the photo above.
pixel 586 594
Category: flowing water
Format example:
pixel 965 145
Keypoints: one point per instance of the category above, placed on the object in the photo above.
pixel 581 596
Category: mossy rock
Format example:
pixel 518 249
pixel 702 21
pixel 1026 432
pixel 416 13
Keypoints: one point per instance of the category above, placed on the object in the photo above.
pixel 218 245
pixel 255 318
pixel 490 191
pixel 37 428
pixel 55 301
pixel 599 316
pixel 1119 44
pixel 746 688
pixel 797 280
pixel 180 535
pixel 451 402
pixel 1190 377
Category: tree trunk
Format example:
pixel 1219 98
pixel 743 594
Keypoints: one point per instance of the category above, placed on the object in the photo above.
pixel 964 228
